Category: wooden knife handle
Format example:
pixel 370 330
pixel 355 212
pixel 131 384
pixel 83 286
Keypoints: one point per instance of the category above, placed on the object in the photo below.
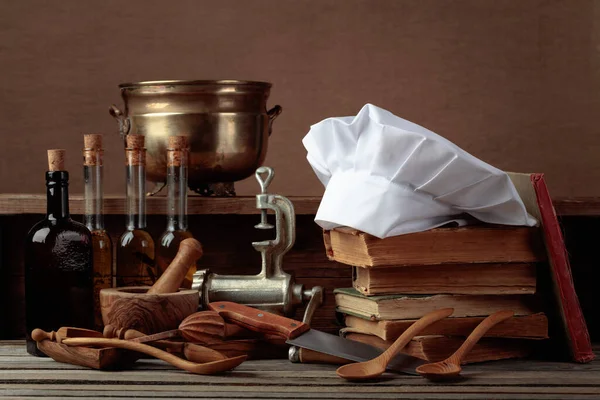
pixel 258 320
pixel 314 357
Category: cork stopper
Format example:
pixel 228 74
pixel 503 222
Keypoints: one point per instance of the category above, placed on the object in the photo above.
pixel 56 159
pixel 92 141
pixel 135 153
pixel 135 141
pixel 92 149
pixel 178 142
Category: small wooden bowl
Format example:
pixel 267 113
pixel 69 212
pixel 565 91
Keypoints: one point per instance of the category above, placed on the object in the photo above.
pixel 132 308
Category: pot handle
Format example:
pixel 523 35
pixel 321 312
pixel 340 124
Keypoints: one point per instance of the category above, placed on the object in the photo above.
pixel 124 122
pixel 273 113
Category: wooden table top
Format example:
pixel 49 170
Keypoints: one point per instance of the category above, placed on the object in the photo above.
pixel 23 376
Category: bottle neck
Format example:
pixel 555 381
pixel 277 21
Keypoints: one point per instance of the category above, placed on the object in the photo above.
pixel 177 196
pixel 57 195
pixel 136 197
pixel 93 197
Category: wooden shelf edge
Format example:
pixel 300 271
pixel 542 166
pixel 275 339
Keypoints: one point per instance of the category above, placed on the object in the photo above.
pixel 14 204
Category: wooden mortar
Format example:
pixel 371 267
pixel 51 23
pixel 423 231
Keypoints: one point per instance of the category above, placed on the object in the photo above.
pixel 159 308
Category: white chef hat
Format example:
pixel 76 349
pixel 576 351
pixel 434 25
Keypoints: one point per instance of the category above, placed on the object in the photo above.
pixel 388 176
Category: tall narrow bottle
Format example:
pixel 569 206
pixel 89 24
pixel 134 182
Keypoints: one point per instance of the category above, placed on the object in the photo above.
pixel 94 219
pixel 58 262
pixel 177 228
pixel 135 250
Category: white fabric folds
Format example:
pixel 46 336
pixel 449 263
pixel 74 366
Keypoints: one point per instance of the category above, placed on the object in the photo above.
pixel 388 176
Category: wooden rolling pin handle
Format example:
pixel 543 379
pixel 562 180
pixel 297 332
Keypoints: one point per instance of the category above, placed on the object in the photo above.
pixel 313 357
pixel 190 250
pixel 39 335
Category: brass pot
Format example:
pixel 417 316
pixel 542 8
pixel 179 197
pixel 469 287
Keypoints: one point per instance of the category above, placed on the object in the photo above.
pixel 226 121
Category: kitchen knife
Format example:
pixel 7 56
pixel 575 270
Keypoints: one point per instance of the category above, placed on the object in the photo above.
pixel 299 334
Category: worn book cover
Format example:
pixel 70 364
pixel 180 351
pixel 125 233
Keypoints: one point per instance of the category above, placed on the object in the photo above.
pixel 407 306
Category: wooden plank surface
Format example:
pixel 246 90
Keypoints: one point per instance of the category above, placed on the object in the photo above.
pixel 11 204
pixel 25 376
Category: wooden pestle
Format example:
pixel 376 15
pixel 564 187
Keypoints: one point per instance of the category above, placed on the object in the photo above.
pixel 190 250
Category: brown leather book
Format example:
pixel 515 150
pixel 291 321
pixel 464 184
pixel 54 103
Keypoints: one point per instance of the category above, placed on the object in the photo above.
pixel 438 348
pixel 533 326
pixel 507 278
pixel 483 243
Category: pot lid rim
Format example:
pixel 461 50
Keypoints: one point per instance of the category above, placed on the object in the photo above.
pixel 143 84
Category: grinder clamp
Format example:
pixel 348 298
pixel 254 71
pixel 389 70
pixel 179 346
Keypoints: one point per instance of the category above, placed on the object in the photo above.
pixel 272 289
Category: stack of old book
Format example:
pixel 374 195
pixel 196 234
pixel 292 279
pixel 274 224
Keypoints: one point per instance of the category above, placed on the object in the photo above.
pixel 476 270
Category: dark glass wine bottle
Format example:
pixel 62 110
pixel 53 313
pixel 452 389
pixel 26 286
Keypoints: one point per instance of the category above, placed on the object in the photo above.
pixel 177 229
pixel 135 249
pixel 58 263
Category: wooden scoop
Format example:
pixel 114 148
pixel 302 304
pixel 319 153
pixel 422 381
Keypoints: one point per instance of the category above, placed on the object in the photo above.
pixel 104 359
pixel 375 367
pixel 190 250
pixel 63 333
pixel 209 368
pixel 450 367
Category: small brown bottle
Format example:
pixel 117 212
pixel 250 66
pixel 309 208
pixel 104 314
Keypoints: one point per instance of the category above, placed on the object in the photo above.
pixel 135 249
pixel 94 219
pixel 177 229
pixel 58 262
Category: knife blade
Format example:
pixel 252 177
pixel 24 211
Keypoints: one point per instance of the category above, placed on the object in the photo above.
pixel 299 334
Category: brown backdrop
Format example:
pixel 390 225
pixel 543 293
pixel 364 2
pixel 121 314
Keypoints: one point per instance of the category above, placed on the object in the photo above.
pixel 513 82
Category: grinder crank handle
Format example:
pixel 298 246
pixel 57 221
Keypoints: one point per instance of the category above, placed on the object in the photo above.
pixel 259 320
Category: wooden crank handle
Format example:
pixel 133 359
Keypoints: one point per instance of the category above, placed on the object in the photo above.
pixel 307 356
pixel 190 250
pixel 202 369
pixel 259 320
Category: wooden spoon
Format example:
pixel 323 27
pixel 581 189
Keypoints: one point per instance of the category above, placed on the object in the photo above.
pixel 209 368
pixel 375 367
pixel 192 352
pixel 450 367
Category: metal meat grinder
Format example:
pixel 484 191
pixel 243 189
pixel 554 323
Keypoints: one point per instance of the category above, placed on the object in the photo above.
pixel 272 289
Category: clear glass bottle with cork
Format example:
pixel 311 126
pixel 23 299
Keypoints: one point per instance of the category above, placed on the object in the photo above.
pixel 135 249
pixel 58 262
pixel 177 228
pixel 94 219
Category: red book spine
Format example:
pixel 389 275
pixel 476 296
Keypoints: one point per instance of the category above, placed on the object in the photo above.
pixel 570 311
